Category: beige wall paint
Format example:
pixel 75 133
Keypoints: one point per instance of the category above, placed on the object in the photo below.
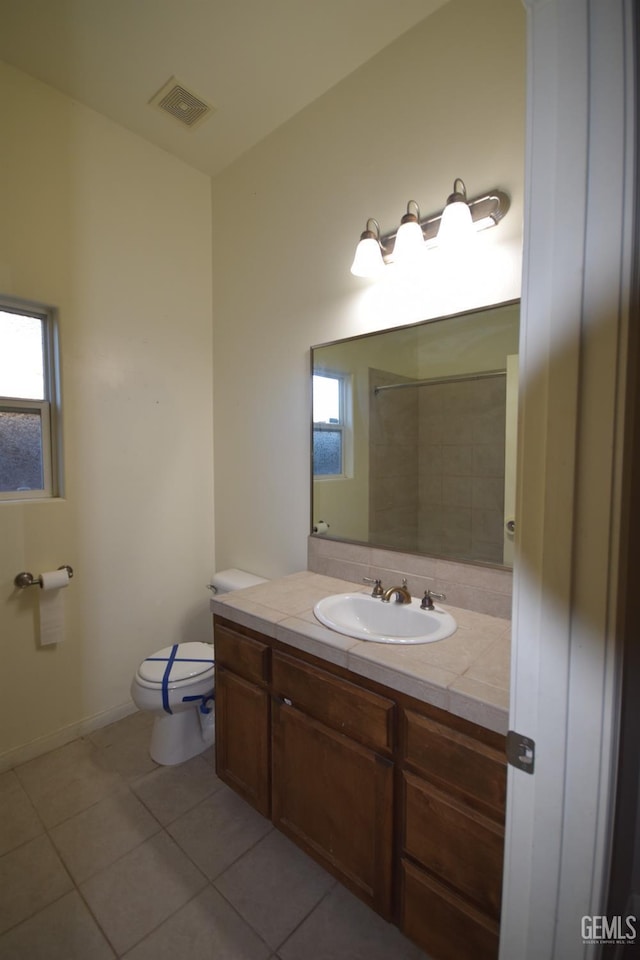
pixel 116 234
pixel 446 100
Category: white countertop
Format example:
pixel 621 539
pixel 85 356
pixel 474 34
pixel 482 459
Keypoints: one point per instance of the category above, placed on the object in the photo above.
pixel 466 674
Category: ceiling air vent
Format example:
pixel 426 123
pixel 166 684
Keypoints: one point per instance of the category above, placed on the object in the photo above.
pixel 182 104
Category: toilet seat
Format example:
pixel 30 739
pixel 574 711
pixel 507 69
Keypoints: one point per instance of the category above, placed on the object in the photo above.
pixel 180 667
pixel 179 663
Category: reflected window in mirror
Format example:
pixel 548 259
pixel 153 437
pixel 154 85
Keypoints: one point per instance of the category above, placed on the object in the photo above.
pixel 331 423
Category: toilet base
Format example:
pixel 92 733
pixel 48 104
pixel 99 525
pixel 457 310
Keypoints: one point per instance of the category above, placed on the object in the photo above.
pixel 180 736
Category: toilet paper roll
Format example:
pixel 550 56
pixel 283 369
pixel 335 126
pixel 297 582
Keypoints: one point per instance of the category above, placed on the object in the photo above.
pixel 54 579
pixel 320 527
pixel 51 600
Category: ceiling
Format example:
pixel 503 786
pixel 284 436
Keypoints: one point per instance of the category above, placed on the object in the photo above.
pixel 257 62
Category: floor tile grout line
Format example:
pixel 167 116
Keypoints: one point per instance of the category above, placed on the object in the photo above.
pixel 324 896
pixel 245 919
pixel 47 827
pixel 182 813
pixel 14 926
pixel 28 796
pixel 95 920
pixel 164 920
pixel 240 915
pixel 243 854
pixel 111 863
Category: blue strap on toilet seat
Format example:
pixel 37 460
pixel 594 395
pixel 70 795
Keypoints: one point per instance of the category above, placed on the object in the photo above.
pixel 170 660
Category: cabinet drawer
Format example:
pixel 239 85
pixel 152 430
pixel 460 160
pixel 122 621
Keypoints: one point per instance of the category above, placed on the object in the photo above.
pixel 457 761
pixel 443 924
pixel 455 842
pixel 339 704
pixel 247 657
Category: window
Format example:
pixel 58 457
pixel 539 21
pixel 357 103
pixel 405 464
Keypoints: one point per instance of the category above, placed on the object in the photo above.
pixel 28 401
pixel 330 395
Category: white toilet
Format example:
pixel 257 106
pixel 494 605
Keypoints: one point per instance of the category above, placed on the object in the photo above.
pixel 177 685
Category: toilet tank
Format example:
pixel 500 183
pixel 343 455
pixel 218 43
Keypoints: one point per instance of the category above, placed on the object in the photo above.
pixel 227 580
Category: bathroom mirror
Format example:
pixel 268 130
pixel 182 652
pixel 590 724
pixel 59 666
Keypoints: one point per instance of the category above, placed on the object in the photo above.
pixel 414 437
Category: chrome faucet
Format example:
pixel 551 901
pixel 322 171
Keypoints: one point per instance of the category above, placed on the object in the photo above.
pixel 377 586
pixel 429 597
pixel 403 595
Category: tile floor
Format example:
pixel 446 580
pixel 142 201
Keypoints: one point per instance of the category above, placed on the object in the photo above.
pixel 105 854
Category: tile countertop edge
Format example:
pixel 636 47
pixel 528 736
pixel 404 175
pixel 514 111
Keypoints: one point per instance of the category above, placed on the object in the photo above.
pixel 272 609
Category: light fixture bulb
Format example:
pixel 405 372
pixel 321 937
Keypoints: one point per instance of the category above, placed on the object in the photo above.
pixel 409 243
pixel 456 223
pixel 368 262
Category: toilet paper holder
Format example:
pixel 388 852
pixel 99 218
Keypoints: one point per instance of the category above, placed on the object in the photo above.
pixel 26 579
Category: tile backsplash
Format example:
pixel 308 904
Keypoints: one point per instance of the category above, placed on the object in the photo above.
pixel 472 586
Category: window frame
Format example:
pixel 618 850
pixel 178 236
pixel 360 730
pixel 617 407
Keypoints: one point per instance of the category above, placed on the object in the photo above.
pixel 343 426
pixel 49 408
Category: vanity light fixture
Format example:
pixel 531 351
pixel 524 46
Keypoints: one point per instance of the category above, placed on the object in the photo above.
pixel 460 217
pixel 409 243
pixel 456 224
pixel 368 260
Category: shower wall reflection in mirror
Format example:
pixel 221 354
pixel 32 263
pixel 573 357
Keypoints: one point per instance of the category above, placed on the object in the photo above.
pixel 414 437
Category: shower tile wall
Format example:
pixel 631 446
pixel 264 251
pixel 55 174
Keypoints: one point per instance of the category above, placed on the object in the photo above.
pixel 393 464
pixel 461 469
pixel 437 467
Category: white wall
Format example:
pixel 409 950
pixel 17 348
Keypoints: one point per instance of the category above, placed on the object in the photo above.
pixel 116 234
pixel 446 100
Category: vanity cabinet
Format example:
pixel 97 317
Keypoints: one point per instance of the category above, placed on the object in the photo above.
pixel 402 801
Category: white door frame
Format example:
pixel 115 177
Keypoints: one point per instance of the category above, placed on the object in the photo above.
pixel 575 299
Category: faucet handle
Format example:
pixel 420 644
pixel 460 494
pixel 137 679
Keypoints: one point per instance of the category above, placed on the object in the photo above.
pixel 377 586
pixel 429 597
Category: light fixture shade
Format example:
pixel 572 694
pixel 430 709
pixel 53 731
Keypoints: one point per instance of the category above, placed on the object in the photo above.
pixel 409 242
pixel 368 262
pixel 456 223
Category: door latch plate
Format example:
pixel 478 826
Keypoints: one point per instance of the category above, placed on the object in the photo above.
pixel 521 751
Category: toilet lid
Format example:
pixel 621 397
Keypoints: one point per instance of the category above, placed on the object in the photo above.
pixel 182 661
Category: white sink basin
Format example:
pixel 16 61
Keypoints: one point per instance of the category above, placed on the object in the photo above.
pixel 364 617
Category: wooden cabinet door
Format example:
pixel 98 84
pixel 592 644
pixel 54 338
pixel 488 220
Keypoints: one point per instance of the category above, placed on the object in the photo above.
pixel 333 797
pixel 242 738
